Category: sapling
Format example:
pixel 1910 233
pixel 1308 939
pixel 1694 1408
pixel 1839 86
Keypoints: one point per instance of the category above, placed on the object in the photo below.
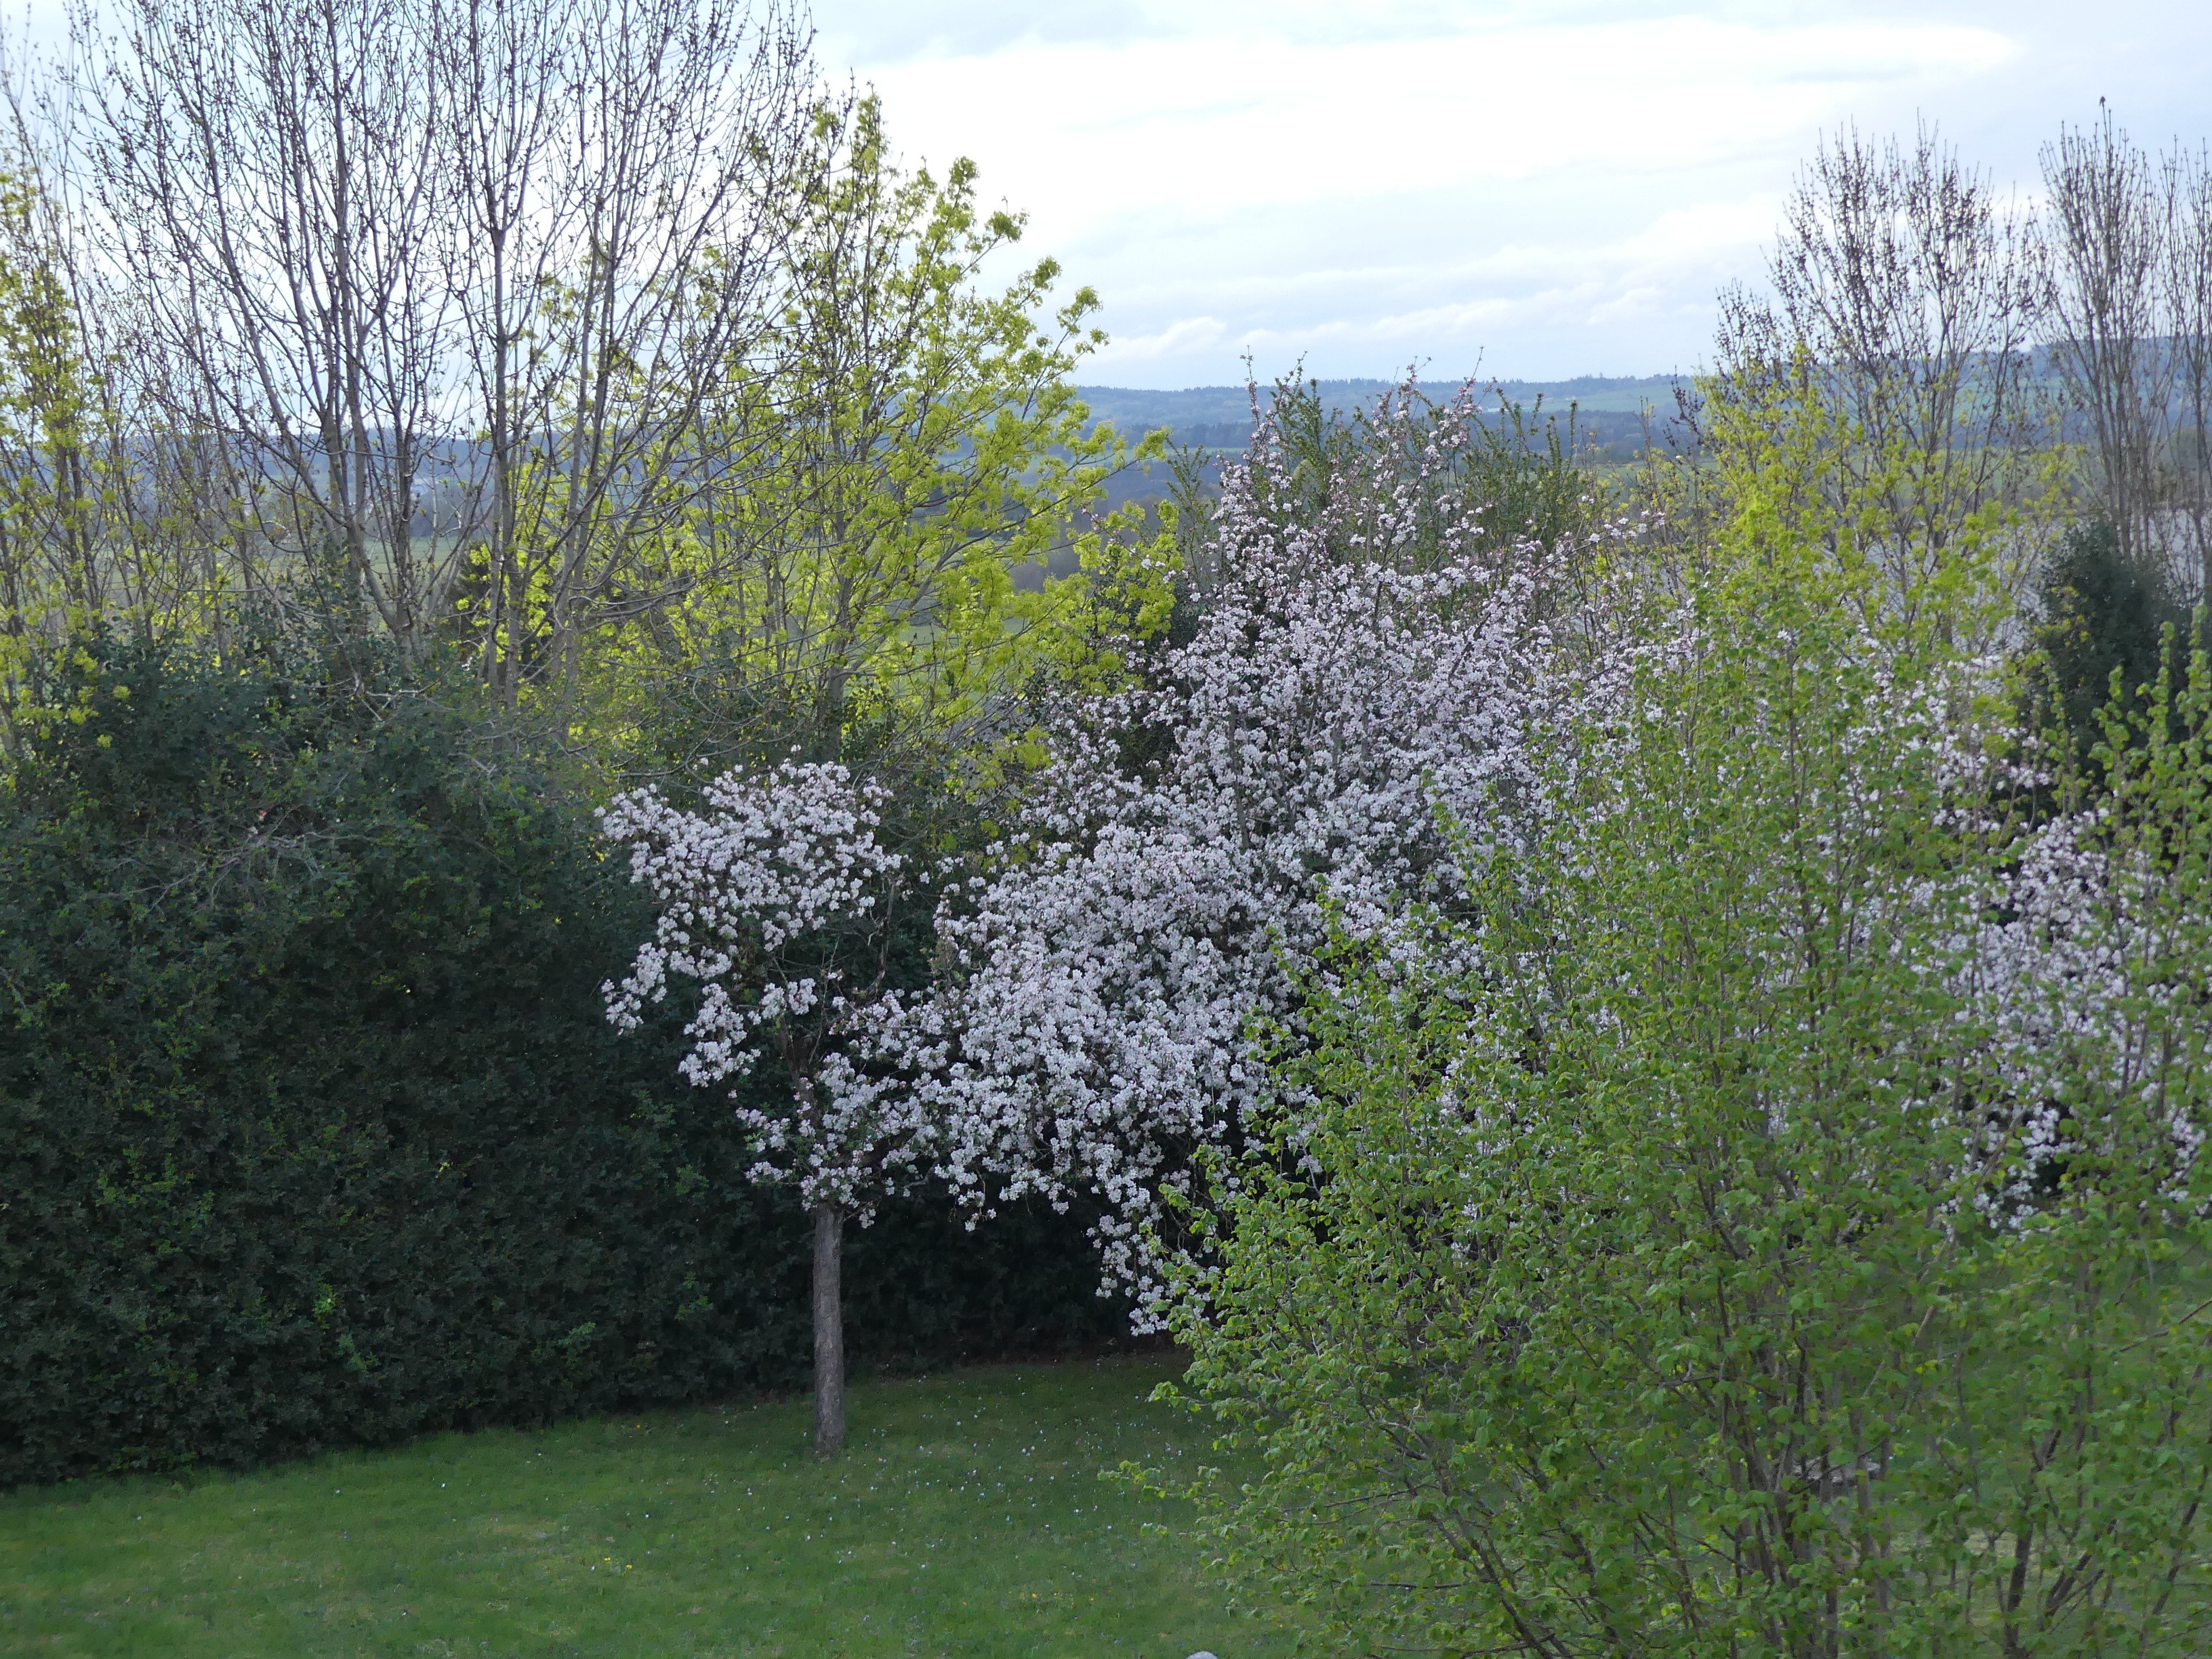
pixel 779 900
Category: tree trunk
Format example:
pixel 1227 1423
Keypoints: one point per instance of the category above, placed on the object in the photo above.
pixel 829 1331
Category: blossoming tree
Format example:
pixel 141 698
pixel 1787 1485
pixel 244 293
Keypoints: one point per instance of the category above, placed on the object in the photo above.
pixel 1351 723
pixel 781 903
pixel 903 452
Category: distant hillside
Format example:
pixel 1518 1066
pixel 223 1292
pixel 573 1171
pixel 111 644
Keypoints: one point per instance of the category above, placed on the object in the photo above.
pixel 1617 415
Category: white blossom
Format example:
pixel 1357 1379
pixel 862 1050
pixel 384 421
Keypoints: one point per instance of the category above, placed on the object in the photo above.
pixel 1356 717
pixel 777 899
pixel 2092 976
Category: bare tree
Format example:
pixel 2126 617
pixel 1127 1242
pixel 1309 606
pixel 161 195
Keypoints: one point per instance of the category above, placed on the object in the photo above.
pixel 622 167
pixel 433 297
pixel 1902 309
pixel 2110 232
pixel 264 175
pixel 2189 302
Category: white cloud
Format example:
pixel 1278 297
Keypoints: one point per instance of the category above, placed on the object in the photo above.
pixel 1185 125
pixel 1559 185
pixel 1453 312
pixel 1180 338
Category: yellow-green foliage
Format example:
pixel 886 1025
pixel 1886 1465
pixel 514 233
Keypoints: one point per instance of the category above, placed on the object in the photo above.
pixel 1922 541
pixel 88 541
pixel 887 464
pixel 45 576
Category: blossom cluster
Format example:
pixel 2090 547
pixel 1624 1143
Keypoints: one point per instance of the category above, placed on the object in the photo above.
pixel 777 901
pixel 1357 717
pixel 2093 975
pixel 1377 700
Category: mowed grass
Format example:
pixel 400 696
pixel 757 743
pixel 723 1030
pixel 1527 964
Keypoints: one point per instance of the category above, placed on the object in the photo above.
pixel 967 1517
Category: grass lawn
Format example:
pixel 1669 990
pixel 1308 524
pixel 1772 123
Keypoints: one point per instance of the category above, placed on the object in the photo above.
pixel 966 1517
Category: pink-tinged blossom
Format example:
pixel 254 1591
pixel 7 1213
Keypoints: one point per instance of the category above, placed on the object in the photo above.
pixel 777 899
pixel 1358 713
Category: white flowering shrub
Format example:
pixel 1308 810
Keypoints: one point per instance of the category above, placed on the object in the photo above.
pixel 1790 1238
pixel 778 899
pixel 1354 717
pixel 2096 967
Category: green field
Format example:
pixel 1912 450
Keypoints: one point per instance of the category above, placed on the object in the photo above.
pixel 967 1517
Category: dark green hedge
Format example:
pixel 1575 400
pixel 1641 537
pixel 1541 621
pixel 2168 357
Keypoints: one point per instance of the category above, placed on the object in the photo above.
pixel 311 1131
pixel 2103 612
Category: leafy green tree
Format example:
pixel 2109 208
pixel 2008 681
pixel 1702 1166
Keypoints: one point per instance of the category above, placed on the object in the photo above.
pixel 1881 389
pixel 902 512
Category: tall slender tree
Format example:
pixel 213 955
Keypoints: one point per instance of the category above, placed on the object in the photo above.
pixel 440 292
pixel 2111 228
pixel 2188 279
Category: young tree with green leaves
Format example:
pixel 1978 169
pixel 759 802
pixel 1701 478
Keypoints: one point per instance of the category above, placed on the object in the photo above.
pixel 1787 1238
pixel 83 546
pixel 1880 389
pixel 899 508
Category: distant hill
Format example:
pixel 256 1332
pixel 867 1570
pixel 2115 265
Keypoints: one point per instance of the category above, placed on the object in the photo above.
pixel 1614 414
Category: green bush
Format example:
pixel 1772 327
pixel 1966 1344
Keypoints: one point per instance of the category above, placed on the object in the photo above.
pixel 2102 616
pixel 1677 1285
pixel 312 1130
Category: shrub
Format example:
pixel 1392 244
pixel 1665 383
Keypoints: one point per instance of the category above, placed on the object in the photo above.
pixel 313 1131
pixel 1705 1273
pixel 2102 615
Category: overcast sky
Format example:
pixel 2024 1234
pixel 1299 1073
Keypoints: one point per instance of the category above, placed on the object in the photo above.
pixel 1535 190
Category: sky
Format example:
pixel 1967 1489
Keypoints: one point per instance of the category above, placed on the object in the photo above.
pixel 1518 189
